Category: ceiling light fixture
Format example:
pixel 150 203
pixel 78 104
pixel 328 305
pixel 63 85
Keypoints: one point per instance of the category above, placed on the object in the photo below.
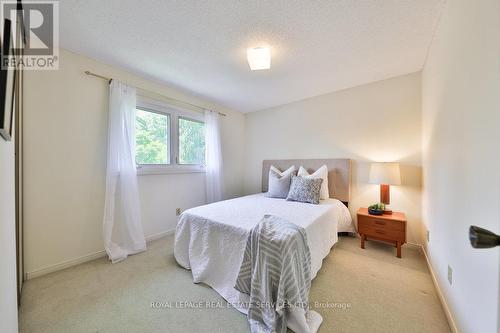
pixel 259 58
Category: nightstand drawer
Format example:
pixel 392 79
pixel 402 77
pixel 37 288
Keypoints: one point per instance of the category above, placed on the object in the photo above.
pixel 396 235
pixel 380 223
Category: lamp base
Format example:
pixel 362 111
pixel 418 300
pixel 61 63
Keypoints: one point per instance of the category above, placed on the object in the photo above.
pixel 385 197
pixel 385 194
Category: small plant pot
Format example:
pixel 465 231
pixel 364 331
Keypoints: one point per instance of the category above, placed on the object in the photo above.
pixel 375 212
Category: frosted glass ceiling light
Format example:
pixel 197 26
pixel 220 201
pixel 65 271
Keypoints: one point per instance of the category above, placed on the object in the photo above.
pixel 259 58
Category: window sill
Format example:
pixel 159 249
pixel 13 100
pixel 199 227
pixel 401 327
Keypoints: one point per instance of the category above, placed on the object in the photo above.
pixel 166 170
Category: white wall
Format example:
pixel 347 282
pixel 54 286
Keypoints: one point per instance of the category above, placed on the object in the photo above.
pixel 461 158
pixel 8 286
pixel 380 121
pixel 65 156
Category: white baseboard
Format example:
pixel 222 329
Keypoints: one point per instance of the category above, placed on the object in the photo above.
pixel 64 264
pixel 447 312
pixel 85 258
pixel 414 246
pixel 151 238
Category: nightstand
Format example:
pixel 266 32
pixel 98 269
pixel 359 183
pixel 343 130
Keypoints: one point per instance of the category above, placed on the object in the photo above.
pixel 389 228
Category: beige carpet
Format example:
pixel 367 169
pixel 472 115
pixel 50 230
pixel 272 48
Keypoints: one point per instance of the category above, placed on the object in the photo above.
pixel 360 291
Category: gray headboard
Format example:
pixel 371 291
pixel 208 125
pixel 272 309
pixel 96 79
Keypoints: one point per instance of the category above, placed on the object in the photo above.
pixel 339 173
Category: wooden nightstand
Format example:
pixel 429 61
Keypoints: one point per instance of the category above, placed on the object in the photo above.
pixel 388 228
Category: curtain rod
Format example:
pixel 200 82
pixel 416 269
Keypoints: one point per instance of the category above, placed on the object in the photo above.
pixel 172 99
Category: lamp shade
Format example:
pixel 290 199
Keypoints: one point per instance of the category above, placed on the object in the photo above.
pixel 386 173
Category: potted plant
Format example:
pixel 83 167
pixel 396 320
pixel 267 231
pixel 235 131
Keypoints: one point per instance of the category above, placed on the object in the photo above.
pixel 376 209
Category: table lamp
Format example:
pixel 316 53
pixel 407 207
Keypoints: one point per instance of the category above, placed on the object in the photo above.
pixel 385 174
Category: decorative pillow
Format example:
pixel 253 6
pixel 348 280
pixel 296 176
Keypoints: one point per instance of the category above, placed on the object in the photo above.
pixel 279 185
pixel 320 173
pixel 305 190
pixel 289 171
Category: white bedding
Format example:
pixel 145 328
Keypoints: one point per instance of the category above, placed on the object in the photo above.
pixel 210 240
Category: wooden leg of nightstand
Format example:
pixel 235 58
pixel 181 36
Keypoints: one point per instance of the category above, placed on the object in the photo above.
pixel 363 237
pixel 399 249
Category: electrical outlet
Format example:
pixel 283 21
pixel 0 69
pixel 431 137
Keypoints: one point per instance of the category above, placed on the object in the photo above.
pixel 428 236
pixel 450 275
pixel 177 211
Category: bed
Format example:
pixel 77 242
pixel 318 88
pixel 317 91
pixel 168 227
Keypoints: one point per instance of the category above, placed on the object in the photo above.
pixel 210 240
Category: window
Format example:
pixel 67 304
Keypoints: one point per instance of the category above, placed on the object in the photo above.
pixel 168 139
pixel 191 141
pixel 152 133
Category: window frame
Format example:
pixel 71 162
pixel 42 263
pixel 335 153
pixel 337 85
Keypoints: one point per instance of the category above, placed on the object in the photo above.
pixel 174 113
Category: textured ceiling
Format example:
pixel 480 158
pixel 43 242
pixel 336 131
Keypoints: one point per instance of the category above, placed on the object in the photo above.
pixel 317 46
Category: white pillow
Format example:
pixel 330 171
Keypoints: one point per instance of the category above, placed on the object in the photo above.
pixel 284 173
pixel 320 173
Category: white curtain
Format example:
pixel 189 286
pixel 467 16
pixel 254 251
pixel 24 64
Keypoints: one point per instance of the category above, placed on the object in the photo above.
pixel 213 157
pixel 123 234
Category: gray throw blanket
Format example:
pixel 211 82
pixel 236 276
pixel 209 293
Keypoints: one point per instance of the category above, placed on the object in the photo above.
pixel 276 273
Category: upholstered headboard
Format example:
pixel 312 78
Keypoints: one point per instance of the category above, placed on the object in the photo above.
pixel 339 174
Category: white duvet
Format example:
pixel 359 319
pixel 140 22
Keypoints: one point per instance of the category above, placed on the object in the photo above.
pixel 210 240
